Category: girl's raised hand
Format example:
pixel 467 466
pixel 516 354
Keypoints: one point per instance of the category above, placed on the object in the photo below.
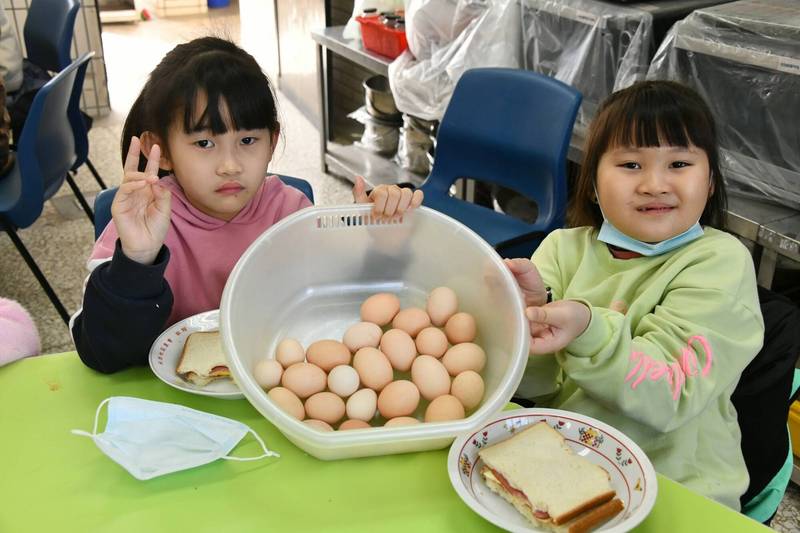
pixel 141 207
pixel 389 200
pixel 555 325
pixel 529 280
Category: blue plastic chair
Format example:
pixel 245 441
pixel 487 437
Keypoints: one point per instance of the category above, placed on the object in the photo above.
pixel 102 202
pixel 511 128
pixel 45 154
pixel 48 32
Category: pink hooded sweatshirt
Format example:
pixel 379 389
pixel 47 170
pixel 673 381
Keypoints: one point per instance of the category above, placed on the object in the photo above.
pixel 203 249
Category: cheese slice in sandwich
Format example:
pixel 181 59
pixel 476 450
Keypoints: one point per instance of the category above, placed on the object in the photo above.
pixel 202 359
pixel 538 473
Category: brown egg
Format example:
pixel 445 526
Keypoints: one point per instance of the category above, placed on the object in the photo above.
pixel 444 408
pixel 401 421
pixel 468 387
pixel 412 320
pixel 398 398
pixel 318 424
pixel 267 373
pixel 442 304
pixel 399 347
pixel 431 341
pixel 304 379
pixel 460 328
pixel 362 405
pixel 362 334
pixel 430 376
pixel 325 406
pixel 464 356
pixel 353 424
pixel 380 308
pixel 288 401
pixel 289 352
pixel 373 367
pixel 327 354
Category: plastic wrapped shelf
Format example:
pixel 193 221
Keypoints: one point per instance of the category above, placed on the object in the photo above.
pixel 594 46
pixel 744 58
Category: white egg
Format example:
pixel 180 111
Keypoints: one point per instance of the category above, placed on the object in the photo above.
pixel 267 373
pixel 343 380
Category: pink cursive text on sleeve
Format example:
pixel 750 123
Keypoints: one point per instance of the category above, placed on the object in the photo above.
pixel 675 373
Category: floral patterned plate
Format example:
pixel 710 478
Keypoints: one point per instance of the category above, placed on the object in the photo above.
pixel 632 474
pixel 167 349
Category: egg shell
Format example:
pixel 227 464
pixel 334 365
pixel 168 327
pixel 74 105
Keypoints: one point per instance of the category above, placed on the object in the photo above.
pixel 412 320
pixel 460 328
pixel 304 379
pixel 442 304
pixel 362 334
pixel 325 406
pixel 373 367
pixel 318 424
pixel 288 401
pixel 399 347
pixel 267 373
pixel 464 356
pixel 353 424
pixel 343 380
pixel 468 387
pixel 327 354
pixel 431 341
pixel 444 408
pixel 380 308
pixel 430 376
pixel 289 352
pixel 401 421
pixel 398 398
pixel 362 405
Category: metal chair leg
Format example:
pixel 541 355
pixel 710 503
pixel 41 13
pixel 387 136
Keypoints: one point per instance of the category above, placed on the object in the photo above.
pixel 81 199
pixel 23 251
pixel 96 174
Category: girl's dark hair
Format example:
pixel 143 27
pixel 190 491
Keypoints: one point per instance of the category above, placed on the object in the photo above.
pixel 211 66
pixel 646 114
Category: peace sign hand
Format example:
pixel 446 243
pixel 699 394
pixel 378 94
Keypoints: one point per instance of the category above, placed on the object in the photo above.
pixel 141 207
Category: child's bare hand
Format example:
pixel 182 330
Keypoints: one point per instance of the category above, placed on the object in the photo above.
pixel 555 325
pixel 141 207
pixel 529 280
pixel 389 200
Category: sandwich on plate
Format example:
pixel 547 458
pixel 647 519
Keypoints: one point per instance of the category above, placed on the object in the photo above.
pixel 554 488
pixel 202 359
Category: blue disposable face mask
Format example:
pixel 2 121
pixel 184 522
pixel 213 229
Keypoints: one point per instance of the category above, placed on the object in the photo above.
pixel 609 234
pixel 150 439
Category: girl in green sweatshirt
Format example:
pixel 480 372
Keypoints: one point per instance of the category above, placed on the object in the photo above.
pixel 643 315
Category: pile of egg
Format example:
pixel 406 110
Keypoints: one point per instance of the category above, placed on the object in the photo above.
pixel 363 378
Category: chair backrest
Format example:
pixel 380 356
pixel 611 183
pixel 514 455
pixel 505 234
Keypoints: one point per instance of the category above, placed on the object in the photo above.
pixel 48 32
pixel 102 202
pixel 509 127
pixel 46 149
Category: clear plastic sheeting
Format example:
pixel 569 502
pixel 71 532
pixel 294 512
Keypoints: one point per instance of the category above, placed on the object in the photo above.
pixel 744 58
pixel 596 47
pixel 379 136
pixel 415 144
pixel 446 38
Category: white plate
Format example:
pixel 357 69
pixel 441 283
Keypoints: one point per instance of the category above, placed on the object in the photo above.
pixel 632 474
pixel 166 351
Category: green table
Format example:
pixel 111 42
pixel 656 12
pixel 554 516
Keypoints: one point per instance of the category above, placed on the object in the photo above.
pixel 51 480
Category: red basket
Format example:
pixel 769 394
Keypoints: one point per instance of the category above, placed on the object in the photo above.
pixel 378 38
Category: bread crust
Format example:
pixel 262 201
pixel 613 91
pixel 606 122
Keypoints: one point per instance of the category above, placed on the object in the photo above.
pixel 591 504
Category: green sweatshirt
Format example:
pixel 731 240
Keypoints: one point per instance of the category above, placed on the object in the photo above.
pixel 667 342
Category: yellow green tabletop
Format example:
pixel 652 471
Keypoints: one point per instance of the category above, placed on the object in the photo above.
pixel 52 480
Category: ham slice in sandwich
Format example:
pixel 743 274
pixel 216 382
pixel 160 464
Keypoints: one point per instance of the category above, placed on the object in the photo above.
pixel 538 473
pixel 202 359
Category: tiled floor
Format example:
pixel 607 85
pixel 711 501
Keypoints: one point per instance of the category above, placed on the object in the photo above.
pixel 62 238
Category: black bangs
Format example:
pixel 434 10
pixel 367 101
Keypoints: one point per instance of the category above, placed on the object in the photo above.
pixel 223 79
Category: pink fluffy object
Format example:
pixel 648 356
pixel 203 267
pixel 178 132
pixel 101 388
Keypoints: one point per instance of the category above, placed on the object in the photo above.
pixel 18 334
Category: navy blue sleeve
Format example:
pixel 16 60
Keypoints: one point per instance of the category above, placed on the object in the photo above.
pixel 125 307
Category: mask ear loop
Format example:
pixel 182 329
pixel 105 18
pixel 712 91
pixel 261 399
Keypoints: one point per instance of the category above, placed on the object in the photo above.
pixel 267 452
pixel 93 434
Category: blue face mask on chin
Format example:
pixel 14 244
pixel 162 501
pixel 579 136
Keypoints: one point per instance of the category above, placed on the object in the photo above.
pixel 611 235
